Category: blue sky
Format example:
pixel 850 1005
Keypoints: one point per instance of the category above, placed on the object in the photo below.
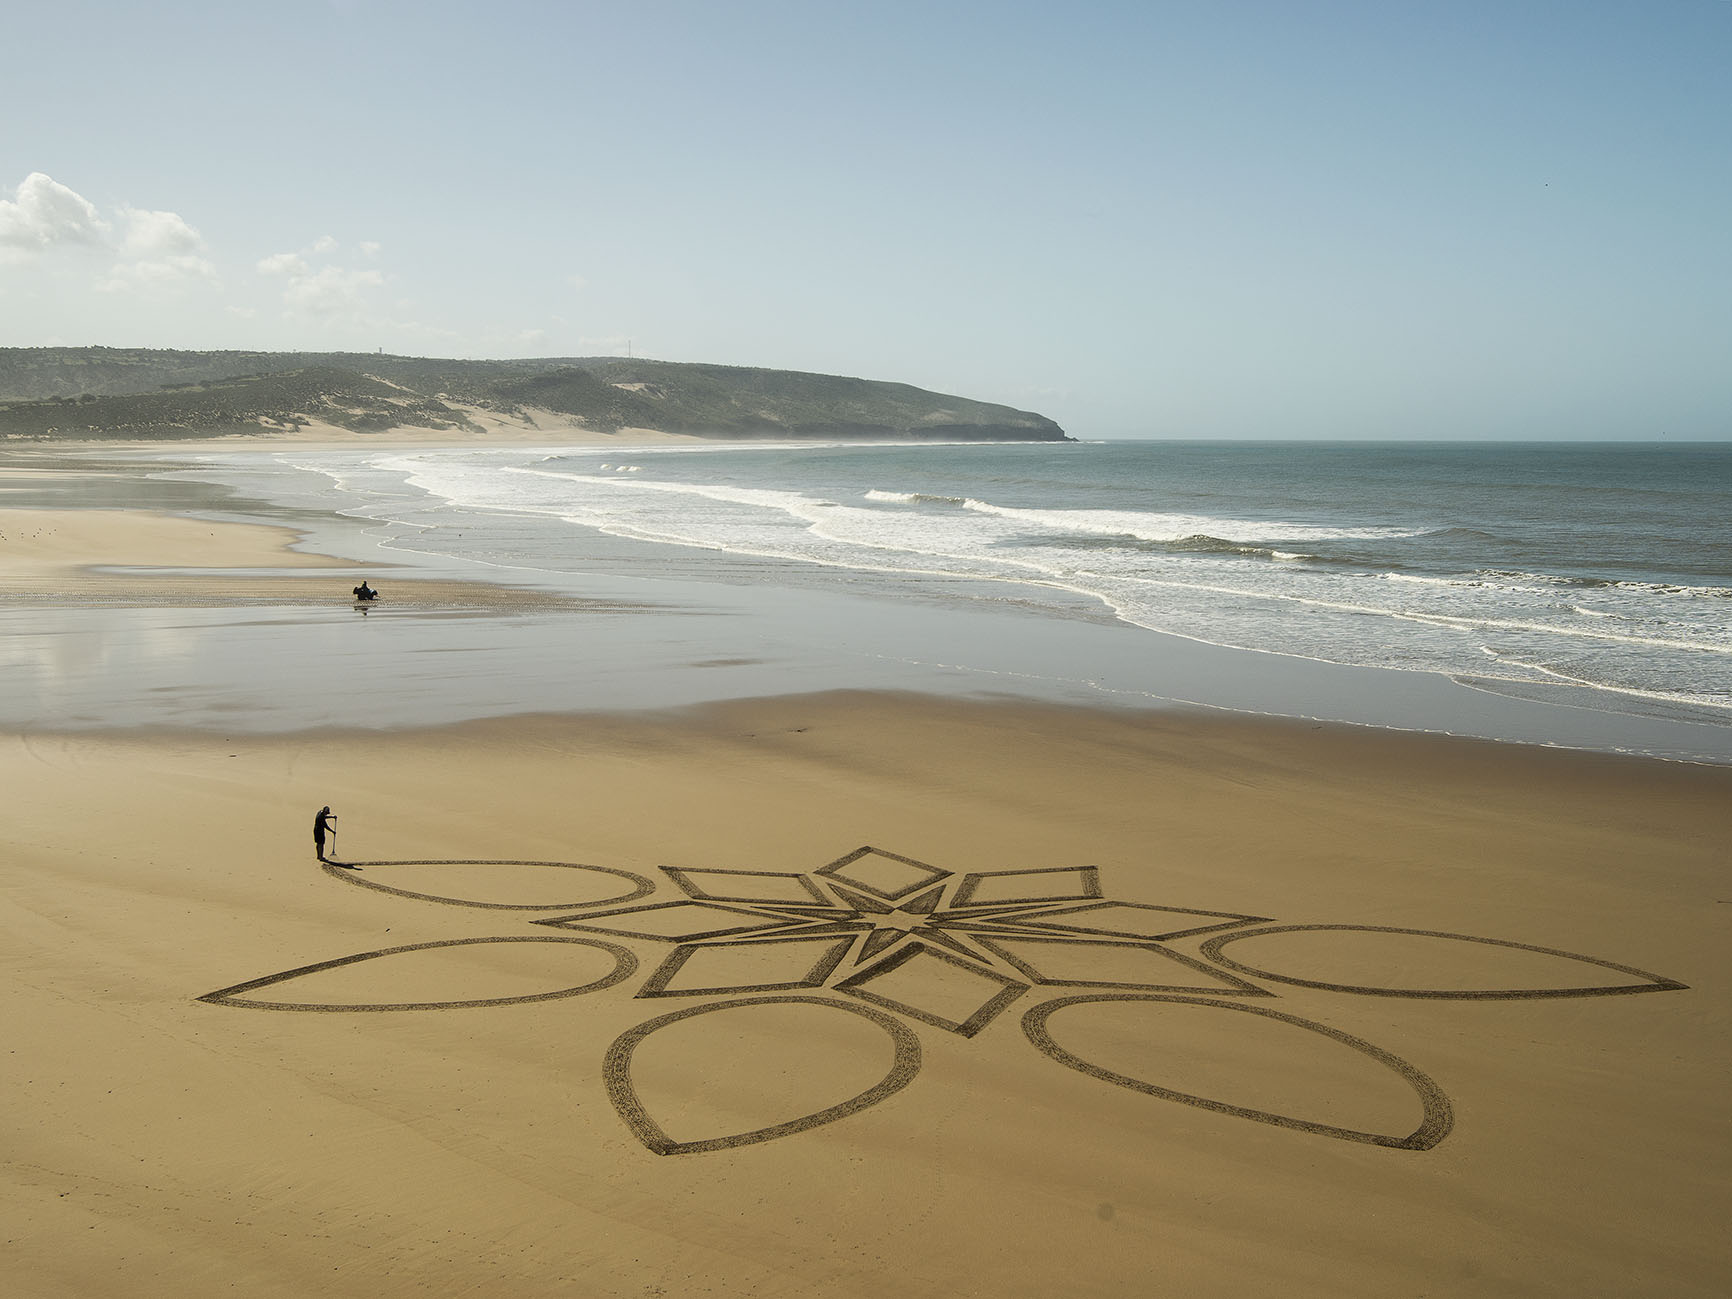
pixel 1230 219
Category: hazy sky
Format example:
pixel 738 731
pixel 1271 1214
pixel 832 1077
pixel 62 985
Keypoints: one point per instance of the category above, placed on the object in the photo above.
pixel 1237 218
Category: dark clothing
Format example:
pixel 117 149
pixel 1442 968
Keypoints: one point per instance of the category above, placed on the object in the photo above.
pixel 321 823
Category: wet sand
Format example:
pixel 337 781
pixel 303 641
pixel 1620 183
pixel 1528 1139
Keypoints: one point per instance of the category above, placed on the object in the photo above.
pixel 299 658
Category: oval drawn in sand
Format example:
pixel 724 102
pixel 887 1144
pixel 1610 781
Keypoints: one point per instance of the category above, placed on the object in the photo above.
pixel 1434 1105
pixel 808 1049
pixel 425 976
pixel 497 885
pixel 1459 966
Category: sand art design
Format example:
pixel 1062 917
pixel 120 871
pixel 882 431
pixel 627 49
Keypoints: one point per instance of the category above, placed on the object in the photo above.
pixel 881 939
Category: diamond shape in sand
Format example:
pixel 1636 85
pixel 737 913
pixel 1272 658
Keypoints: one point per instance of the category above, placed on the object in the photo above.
pixel 882 874
pixel 777 888
pixel 1133 920
pixel 672 921
pixel 1018 888
pixel 751 965
pixel 935 988
pixel 1097 963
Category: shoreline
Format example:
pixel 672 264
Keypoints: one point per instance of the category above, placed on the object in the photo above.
pixel 691 641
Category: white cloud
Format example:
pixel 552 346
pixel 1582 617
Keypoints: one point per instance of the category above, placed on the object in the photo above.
pixel 163 249
pixel 168 270
pixel 577 282
pixel 158 248
pixel 284 264
pixel 330 290
pixel 370 248
pixel 322 290
pixel 152 235
pixel 47 213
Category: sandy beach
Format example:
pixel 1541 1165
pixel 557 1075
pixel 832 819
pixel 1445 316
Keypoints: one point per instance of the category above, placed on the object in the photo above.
pixel 611 1003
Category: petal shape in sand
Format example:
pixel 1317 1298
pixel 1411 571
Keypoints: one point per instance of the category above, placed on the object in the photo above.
pixel 1434 1125
pixel 421 976
pixel 623 1084
pixel 1460 966
pixel 497 885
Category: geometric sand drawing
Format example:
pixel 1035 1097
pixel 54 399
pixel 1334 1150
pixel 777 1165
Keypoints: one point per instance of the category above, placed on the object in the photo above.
pixel 439 872
pixel 1635 981
pixel 1433 1126
pixel 883 939
pixel 619 966
pixel 622 1088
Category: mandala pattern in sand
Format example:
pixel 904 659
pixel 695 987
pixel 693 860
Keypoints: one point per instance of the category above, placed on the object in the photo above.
pixel 884 939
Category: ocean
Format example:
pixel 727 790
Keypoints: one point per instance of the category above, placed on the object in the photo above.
pixel 1530 568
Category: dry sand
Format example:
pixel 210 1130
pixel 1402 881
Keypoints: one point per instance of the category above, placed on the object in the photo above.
pixel 59 544
pixel 533 427
pixel 158 1144
pixel 106 557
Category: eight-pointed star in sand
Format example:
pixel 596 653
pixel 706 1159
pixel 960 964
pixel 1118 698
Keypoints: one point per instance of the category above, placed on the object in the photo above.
pixel 859 920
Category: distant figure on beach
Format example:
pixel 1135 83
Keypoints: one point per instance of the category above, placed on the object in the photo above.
pixel 322 823
pixel 364 592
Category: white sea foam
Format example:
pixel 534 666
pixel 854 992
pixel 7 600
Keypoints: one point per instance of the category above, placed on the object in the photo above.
pixel 1174 527
pixel 1650 588
pixel 1192 573
pixel 912 498
pixel 1153 526
pixel 1699 699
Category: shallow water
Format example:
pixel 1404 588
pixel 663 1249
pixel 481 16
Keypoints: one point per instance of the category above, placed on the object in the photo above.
pixel 1495 581
pixel 1608 567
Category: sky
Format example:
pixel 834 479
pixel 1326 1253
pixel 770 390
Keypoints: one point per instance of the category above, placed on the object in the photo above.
pixel 1207 218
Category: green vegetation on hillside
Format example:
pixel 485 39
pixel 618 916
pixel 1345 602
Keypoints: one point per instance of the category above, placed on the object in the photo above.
pixel 96 392
pixel 260 402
